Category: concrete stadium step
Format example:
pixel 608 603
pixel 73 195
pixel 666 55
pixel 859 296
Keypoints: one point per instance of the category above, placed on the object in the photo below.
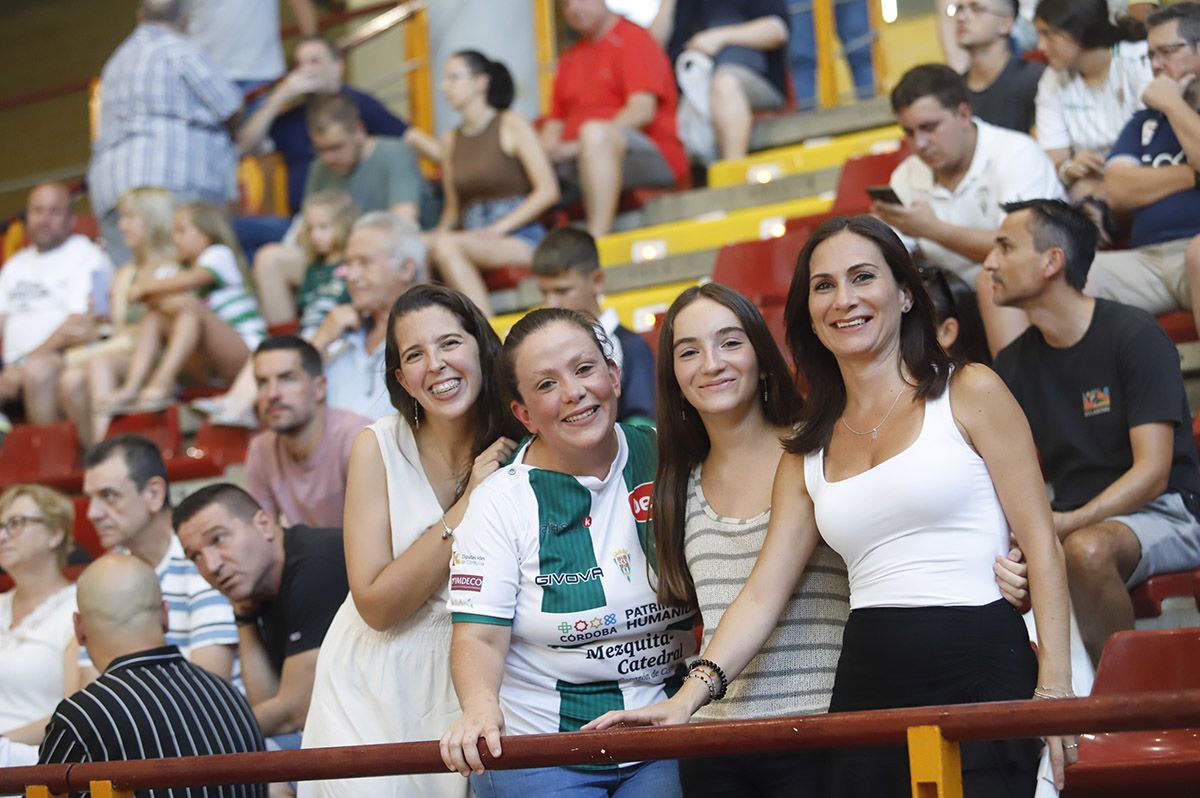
pixel 786 130
pixel 656 242
pixel 699 202
pixel 636 308
pixel 813 154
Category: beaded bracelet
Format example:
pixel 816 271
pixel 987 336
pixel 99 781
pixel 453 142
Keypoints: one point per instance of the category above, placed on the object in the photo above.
pixel 447 530
pixel 700 675
pixel 717 671
pixel 1051 693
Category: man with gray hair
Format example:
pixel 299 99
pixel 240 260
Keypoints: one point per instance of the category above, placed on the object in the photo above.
pixel 164 112
pixel 384 258
pixel 150 702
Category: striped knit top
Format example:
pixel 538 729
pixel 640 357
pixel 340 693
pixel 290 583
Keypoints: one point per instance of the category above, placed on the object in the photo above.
pixel 793 672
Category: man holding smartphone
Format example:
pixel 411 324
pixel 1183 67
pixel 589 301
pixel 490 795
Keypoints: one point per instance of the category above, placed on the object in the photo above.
pixel 960 172
pixel 46 303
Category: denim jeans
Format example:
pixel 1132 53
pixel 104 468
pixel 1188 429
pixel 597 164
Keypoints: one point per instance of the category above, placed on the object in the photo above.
pixel 853 28
pixel 644 780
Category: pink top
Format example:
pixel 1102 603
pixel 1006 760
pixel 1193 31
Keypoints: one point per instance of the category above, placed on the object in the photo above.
pixel 310 492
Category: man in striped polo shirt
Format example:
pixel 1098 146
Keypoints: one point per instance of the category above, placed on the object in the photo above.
pixel 125 480
pixel 150 702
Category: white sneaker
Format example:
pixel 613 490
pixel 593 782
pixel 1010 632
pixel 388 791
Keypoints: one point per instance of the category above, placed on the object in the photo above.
pixel 209 405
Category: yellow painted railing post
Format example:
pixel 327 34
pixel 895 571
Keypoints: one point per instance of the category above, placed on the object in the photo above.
pixel 935 764
pixel 420 78
pixel 105 789
pixel 544 39
pixel 878 52
pixel 39 791
pixel 823 35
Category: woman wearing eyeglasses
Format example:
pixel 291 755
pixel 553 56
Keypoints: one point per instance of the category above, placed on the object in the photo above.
pixel 37 636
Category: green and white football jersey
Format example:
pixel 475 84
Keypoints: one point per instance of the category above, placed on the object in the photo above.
pixel 566 562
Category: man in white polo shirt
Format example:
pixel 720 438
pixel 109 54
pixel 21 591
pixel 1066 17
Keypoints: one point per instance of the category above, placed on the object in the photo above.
pixel 959 174
pixel 45 302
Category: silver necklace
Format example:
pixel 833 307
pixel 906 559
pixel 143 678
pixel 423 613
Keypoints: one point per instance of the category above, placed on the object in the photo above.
pixel 874 431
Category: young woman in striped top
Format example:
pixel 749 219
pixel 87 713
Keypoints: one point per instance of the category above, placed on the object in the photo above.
pixel 725 401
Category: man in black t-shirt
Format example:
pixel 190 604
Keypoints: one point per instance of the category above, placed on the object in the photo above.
pixel 285 587
pixel 1101 386
pixel 1003 88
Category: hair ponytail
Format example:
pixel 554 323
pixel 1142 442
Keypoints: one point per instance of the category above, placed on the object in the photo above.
pixel 500 90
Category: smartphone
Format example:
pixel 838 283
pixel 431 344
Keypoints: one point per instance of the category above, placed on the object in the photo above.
pixel 883 194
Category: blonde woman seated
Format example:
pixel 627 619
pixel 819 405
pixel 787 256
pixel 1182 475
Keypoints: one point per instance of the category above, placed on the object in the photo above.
pixel 38 652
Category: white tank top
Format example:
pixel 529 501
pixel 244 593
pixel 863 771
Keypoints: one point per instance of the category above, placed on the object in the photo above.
pixel 920 529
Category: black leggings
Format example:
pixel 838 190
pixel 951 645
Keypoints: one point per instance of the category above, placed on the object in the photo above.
pixel 794 775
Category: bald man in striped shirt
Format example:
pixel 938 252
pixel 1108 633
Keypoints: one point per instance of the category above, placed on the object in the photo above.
pixel 149 702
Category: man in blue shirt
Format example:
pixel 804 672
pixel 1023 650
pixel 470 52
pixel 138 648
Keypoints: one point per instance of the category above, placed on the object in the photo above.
pixel 1151 174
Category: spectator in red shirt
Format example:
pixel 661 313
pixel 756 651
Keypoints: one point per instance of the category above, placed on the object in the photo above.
pixel 612 120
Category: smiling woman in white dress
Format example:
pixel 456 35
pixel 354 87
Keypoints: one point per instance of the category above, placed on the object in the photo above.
pixel 383 674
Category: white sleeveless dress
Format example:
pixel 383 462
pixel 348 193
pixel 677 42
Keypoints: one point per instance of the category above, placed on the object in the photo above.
pixel 393 686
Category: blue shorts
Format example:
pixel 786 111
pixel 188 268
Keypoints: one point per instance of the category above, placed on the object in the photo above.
pixel 485 212
pixel 658 779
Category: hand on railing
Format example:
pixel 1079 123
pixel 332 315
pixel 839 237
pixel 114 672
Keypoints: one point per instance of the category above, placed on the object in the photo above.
pixel 1063 749
pixel 459 746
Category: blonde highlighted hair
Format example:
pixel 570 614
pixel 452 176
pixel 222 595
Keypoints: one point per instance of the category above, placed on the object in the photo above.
pixel 57 511
pixel 156 207
pixel 341 207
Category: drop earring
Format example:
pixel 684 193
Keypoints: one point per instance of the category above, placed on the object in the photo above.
pixel 416 415
pixel 766 397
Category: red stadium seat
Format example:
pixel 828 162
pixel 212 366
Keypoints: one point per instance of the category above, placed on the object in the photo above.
pixel 858 173
pixel 651 336
pixel 760 270
pixel 46 454
pixel 1157 763
pixel 162 428
pixel 505 277
pixel 1148 596
pixel 83 532
pixel 214 449
pixel 1179 325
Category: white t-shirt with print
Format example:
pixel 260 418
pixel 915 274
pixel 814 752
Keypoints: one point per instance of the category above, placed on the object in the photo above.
pixel 562 560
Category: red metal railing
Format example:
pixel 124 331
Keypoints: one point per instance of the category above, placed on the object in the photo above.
pixel 959 723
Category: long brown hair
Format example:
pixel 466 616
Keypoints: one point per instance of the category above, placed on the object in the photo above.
pixel 683 441
pixel 490 417
pixel 928 364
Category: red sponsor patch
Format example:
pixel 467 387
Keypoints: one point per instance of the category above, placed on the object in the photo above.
pixel 641 501
pixel 471 582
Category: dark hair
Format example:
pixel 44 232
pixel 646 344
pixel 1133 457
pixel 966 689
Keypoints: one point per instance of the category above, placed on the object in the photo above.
pixel 953 299
pixel 566 249
pixel 1088 23
pixel 310 358
pixel 234 499
pixel 316 38
pixel 1014 7
pixel 919 349
pixel 930 80
pixel 682 439
pixel 1054 223
pixel 326 110
pixel 490 416
pixel 500 83
pixel 1186 14
pixel 142 458
pixel 534 321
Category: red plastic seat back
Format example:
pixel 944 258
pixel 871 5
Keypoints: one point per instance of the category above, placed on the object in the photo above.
pixel 1146 660
pixel 83 532
pixel 225 446
pixel 858 173
pixel 1179 325
pixel 47 453
pixel 760 270
pixel 162 428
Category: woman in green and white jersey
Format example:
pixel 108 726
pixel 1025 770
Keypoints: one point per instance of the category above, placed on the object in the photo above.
pixel 551 595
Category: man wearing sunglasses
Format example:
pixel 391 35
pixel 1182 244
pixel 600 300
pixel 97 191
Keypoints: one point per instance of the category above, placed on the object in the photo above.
pixel 1151 174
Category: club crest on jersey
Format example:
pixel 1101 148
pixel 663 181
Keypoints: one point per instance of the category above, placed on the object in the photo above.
pixel 641 501
pixel 621 558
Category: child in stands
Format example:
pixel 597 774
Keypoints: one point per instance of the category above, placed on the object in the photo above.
pixel 205 311
pixel 324 227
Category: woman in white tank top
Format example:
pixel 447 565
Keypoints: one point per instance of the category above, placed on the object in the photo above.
pixel 913 471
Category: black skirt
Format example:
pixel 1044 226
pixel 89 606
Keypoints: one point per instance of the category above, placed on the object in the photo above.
pixel 911 657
